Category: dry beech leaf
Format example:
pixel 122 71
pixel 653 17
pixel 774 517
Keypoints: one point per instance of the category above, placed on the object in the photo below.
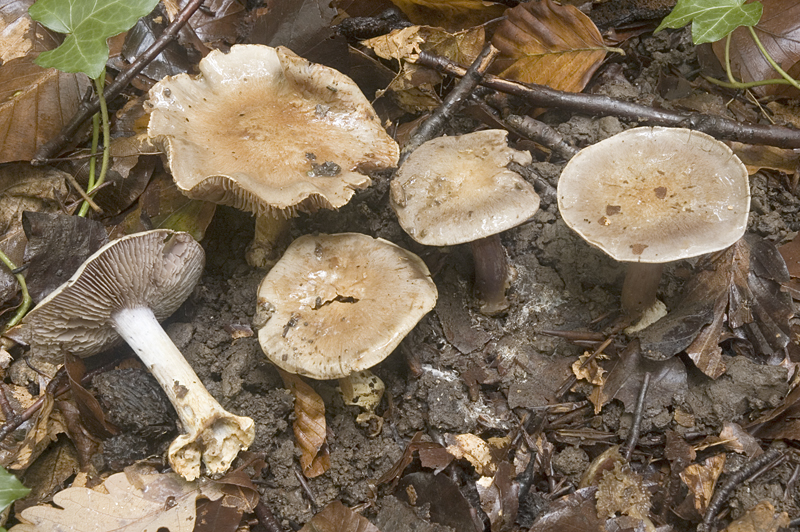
pixel 701 479
pixel 30 94
pixel 575 512
pixel 443 501
pixel 148 502
pixel 309 426
pixel 549 44
pixel 757 156
pixel 738 440
pixel 760 518
pixel 452 15
pixel 779 31
pixel 19 34
pixel 499 496
pixel 336 517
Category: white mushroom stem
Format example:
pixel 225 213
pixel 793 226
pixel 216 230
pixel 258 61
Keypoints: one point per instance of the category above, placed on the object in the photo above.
pixel 262 252
pixel 640 287
pixel 211 433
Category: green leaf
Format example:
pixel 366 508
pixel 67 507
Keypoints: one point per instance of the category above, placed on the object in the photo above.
pixel 11 489
pixel 712 19
pixel 89 24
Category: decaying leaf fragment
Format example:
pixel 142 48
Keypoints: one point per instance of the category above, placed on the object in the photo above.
pixel 144 502
pixel 336 517
pixel 475 450
pixel 549 44
pixel 742 284
pixel 621 490
pixel 499 497
pixel 760 518
pixel 413 88
pixel 309 425
pixel 701 480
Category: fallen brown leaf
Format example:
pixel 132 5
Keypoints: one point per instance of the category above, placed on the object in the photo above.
pixel 336 517
pixel 444 502
pixel 499 496
pixel 549 44
pixel 701 480
pixel 30 94
pixel 19 34
pixel 47 426
pixel 575 512
pixel 778 30
pixel 760 518
pixel 309 426
pixel 452 15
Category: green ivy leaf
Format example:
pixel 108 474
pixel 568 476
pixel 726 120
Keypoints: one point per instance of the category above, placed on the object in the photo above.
pixel 11 489
pixel 712 19
pixel 88 23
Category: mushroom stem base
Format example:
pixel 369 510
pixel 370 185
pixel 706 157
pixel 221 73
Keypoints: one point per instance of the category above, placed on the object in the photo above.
pixel 492 273
pixel 212 433
pixel 640 287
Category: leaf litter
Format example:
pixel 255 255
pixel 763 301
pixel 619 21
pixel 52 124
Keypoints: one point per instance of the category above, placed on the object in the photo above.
pixel 510 466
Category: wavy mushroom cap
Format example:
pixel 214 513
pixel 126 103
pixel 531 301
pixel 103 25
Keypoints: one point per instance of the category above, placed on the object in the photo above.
pixel 266 131
pixel 453 190
pixel 655 194
pixel 156 269
pixel 337 304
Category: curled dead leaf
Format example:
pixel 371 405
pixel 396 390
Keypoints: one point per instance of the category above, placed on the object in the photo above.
pixel 701 480
pixel 336 517
pixel 309 426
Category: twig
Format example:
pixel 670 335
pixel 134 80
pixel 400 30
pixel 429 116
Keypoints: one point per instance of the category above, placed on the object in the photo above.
pixel 86 110
pixel 453 102
pixel 306 488
pixel 724 492
pixel 79 189
pixel 266 518
pixel 596 105
pixel 633 436
pixel 542 133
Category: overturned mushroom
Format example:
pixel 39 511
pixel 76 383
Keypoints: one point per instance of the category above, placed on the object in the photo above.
pixel 335 305
pixel 454 190
pixel 266 131
pixel 652 195
pixel 123 290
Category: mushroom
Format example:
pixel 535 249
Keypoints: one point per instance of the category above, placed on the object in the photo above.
pixel 453 190
pixel 266 131
pixel 335 305
pixel 652 195
pixel 123 290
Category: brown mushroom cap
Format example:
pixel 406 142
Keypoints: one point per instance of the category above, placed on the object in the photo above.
pixel 157 269
pixel 655 194
pixel 266 131
pixel 337 304
pixel 453 190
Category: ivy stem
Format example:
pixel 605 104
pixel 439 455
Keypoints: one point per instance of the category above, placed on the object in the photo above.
pixel 771 61
pixel 728 71
pixel 26 297
pixel 99 83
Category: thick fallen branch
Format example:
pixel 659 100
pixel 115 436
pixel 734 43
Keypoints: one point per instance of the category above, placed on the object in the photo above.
pixel 87 109
pixel 595 105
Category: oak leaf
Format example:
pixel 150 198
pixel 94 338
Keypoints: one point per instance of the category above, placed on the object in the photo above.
pixel 549 44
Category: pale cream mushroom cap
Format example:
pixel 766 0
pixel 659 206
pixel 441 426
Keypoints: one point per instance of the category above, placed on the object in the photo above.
pixel 248 129
pixel 337 304
pixel 453 190
pixel 655 194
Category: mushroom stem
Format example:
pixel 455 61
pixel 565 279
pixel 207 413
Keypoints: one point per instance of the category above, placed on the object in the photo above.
pixel 491 273
pixel 640 287
pixel 212 433
pixel 262 251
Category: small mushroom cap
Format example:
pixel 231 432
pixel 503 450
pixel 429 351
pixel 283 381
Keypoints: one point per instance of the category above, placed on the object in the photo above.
pixel 156 269
pixel 453 190
pixel 337 304
pixel 656 194
pixel 266 131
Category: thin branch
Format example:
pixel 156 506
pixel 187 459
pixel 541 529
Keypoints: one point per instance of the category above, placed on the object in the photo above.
pixel 633 437
pixel 596 105
pixel 86 110
pixel 453 102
